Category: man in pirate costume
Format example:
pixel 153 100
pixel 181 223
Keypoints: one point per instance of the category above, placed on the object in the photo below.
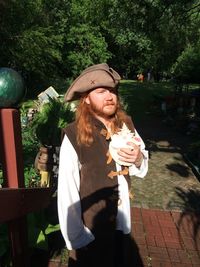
pixel 94 182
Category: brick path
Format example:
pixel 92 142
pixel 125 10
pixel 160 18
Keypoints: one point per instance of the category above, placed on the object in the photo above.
pixel 166 206
pixel 165 238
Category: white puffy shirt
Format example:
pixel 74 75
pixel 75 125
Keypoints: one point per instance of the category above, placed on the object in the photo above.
pixel 75 233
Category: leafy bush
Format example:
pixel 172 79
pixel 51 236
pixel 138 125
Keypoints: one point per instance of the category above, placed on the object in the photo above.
pixel 30 148
pixel 49 121
pixel 187 67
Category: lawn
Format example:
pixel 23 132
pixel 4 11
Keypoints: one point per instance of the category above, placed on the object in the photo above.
pixel 142 98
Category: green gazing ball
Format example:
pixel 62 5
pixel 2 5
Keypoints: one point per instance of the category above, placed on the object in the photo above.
pixel 12 88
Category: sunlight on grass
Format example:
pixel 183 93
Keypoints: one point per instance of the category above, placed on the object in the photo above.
pixel 140 98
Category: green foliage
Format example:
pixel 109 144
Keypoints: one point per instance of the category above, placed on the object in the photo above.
pixel 39 229
pixel 41 51
pixel 31 34
pixel 85 46
pixel 47 39
pixel 187 67
pixel 160 30
pixel 31 175
pixel 30 149
pixel 49 121
pixel 25 105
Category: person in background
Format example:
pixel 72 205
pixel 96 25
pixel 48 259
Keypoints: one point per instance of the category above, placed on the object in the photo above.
pixel 140 77
pixel 93 187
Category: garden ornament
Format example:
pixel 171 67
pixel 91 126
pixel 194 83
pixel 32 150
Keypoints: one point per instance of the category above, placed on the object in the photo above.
pixel 44 164
pixel 12 88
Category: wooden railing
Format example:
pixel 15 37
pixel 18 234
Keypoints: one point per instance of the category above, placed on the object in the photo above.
pixel 16 201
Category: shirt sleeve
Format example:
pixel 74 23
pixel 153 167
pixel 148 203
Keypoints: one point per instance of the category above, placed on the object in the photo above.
pixel 75 233
pixel 142 170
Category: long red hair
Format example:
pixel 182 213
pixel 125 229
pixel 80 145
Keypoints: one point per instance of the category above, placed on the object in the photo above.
pixel 85 127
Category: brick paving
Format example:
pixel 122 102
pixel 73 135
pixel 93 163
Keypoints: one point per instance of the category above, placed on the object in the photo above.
pixel 166 238
pixel 166 204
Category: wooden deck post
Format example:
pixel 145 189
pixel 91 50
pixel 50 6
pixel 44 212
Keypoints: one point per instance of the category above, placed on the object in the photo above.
pixel 13 171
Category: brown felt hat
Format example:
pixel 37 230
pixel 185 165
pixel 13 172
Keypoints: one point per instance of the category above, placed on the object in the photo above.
pixel 96 76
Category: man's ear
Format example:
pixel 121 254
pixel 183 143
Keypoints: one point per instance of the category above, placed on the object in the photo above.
pixel 87 100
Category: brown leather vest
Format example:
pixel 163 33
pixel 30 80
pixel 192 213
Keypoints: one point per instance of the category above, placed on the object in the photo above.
pixel 98 192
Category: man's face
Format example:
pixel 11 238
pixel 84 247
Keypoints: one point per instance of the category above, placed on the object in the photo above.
pixel 103 102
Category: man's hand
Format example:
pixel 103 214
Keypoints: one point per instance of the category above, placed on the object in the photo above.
pixel 132 154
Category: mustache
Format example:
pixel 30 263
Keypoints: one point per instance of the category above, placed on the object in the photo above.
pixel 110 104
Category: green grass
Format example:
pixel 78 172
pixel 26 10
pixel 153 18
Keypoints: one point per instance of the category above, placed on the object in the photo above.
pixel 140 98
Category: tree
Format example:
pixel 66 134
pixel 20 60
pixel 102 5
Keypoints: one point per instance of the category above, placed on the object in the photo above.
pixel 32 38
pixel 49 39
pixel 187 67
pixel 84 46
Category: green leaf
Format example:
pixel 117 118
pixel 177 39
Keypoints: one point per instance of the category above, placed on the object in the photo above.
pixel 52 228
pixel 42 241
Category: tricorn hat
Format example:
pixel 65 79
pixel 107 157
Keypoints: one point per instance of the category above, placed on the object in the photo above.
pixel 96 76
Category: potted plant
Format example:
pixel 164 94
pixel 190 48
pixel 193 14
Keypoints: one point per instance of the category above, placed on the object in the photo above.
pixel 47 125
